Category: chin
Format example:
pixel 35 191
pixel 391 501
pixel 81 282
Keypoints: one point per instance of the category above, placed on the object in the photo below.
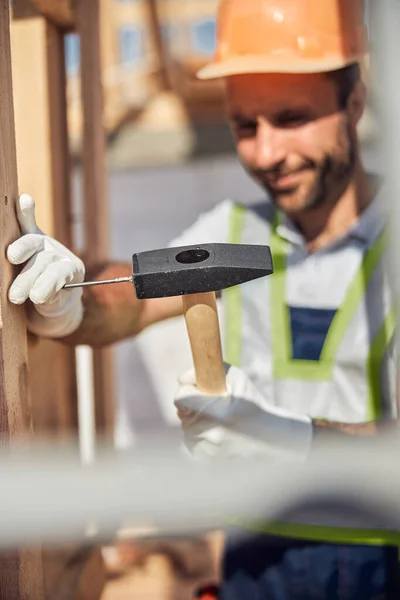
pixel 295 201
pixel 291 204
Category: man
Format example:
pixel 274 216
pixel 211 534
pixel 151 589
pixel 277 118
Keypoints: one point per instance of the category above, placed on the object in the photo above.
pixel 313 338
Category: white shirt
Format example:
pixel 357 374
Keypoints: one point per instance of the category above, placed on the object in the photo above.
pixel 317 280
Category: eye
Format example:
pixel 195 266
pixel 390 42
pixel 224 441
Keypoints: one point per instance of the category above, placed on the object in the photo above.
pixel 293 118
pixel 244 127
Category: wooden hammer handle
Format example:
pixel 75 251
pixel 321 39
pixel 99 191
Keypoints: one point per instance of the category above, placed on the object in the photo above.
pixel 201 316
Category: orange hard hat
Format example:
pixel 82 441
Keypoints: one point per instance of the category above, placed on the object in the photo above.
pixel 287 36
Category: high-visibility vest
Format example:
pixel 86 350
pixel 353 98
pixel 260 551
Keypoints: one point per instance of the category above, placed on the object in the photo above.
pixel 310 387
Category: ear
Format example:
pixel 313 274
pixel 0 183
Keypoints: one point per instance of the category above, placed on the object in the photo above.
pixel 357 102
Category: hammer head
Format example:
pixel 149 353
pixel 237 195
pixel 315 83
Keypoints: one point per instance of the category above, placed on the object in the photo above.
pixel 198 269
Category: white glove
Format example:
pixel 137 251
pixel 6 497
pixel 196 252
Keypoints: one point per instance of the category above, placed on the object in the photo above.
pixel 49 266
pixel 237 424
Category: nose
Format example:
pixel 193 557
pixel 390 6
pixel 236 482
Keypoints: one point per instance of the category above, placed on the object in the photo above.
pixel 270 146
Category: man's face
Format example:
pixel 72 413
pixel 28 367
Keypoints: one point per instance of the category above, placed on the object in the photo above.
pixel 292 136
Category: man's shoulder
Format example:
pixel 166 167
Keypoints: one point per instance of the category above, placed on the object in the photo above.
pixel 261 210
pixel 214 225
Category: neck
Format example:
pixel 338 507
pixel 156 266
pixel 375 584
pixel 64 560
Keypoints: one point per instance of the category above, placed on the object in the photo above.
pixel 320 226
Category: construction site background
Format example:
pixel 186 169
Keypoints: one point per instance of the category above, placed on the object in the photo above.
pixel 139 102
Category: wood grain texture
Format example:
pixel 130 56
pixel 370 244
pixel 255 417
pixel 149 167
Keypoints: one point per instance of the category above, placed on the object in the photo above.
pixel 44 172
pixel 202 323
pixel 68 573
pixel 96 220
pixel 20 571
pixel 94 139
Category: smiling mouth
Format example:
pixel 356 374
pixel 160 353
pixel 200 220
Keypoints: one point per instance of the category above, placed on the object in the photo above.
pixel 286 181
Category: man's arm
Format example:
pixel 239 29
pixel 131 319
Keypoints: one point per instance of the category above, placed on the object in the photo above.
pixel 326 429
pixel 113 313
pixel 105 314
pixel 96 316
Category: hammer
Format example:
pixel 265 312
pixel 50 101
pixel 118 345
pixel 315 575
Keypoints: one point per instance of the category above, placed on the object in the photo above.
pixel 196 273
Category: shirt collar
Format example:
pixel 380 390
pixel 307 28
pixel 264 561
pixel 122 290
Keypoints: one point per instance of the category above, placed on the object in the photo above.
pixel 372 221
pixel 365 230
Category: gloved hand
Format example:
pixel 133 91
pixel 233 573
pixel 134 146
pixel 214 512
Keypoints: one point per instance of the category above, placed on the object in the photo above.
pixel 49 266
pixel 238 424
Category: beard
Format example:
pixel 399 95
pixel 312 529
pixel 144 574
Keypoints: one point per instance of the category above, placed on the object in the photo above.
pixel 329 177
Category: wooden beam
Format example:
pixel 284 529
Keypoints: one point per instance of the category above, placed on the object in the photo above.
pixel 94 140
pixel 59 12
pixel 20 571
pixel 44 171
pixel 94 190
pixel 158 44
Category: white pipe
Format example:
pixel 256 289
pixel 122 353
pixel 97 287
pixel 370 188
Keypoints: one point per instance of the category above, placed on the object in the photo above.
pixel 86 411
pixel 49 497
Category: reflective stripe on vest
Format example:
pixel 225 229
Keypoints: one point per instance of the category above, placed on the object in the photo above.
pixel 287 368
pixel 284 367
pixel 319 533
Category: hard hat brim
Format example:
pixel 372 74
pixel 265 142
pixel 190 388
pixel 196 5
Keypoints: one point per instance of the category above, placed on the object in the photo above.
pixel 246 65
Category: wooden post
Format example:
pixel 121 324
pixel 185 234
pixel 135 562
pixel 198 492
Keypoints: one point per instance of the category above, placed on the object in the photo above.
pixel 44 171
pixel 94 190
pixel 158 45
pixel 20 571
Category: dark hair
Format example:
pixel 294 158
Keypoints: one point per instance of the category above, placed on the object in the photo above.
pixel 345 80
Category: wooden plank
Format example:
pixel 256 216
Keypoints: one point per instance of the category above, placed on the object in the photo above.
pixel 43 166
pixel 44 171
pixel 158 44
pixel 94 190
pixel 20 571
pixel 59 12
